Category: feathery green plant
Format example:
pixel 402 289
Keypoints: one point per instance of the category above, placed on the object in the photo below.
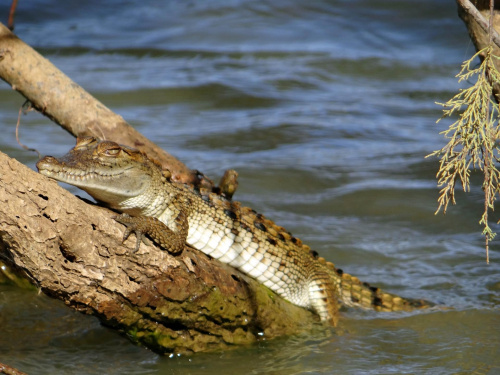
pixel 472 137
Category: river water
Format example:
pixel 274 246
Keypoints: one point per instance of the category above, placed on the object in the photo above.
pixel 326 109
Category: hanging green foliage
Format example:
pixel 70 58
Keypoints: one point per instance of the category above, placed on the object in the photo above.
pixel 472 137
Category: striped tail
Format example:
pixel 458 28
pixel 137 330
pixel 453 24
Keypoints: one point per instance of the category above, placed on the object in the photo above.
pixel 352 292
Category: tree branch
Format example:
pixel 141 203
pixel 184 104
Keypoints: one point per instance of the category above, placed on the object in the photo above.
pixel 469 9
pixel 8 370
pixel 59 98
pixel 72 250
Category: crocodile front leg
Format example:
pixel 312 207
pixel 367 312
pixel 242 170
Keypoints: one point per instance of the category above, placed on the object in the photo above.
pixel 160 233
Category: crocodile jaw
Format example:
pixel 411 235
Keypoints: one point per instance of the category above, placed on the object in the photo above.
pixel 112 175
pixel 111 188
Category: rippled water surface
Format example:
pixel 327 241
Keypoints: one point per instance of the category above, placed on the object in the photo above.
pixel 326 109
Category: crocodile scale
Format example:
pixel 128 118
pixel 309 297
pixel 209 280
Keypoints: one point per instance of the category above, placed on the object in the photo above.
pixel 128 181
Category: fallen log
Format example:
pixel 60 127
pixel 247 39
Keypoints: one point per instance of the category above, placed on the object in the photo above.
pixel 73 251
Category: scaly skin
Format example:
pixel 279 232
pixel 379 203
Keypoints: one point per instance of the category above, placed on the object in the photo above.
pixel 126 180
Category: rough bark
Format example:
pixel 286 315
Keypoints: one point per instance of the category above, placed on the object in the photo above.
pixel 72 250
pixel 56 96
pixel 476 16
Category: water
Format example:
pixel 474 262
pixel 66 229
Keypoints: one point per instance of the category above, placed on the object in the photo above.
pixel 326 109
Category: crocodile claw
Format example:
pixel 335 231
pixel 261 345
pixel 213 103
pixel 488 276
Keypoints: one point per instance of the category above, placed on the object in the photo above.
pixel 131 226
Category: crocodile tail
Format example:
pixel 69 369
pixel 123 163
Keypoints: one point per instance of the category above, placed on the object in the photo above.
pixel 322 296
pixel 352 292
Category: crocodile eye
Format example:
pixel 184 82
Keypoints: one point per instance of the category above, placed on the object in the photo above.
pixel 114 151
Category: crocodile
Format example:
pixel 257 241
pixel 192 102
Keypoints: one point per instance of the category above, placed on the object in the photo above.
pixel 172 214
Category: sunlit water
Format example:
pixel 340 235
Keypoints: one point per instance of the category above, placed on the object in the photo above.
pixel 327 110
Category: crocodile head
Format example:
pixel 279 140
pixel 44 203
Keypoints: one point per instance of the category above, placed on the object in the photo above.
pixel 118 176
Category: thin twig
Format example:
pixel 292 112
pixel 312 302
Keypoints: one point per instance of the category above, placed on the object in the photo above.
pixel 8 370
pixel 490 21
pixel 487 197
pixel 25 108
pixel 10 22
